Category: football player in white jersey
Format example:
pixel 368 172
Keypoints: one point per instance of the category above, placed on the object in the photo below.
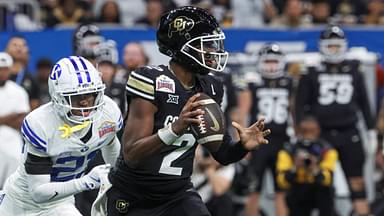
pixel 60 138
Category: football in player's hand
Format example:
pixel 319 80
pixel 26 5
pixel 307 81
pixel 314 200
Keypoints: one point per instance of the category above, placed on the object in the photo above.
pixel 211 129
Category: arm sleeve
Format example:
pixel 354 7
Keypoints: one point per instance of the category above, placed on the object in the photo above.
pixel 229 151
pixel 42 190
pixel 111 151
pixel 363 101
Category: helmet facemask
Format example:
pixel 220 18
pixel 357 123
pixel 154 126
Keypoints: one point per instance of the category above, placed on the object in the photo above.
pixel 87 45
pixel 76 90
pixel 208 51
pixel 271 65
pixel 333 49
pixel 72 103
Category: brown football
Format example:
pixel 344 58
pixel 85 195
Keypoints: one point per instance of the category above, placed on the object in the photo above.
pixel 211 129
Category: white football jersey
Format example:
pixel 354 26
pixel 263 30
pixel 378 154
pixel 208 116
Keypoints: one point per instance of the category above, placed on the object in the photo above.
pixel 69 155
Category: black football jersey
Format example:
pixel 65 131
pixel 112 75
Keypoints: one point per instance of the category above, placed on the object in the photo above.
pixel 271 99
pixel 334 95
pixel 229 97
pixel 167 174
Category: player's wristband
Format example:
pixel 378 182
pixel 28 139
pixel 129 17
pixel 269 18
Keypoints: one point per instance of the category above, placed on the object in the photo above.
pixel 167 135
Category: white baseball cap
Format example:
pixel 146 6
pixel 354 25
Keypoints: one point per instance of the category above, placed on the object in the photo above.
pixel 5 60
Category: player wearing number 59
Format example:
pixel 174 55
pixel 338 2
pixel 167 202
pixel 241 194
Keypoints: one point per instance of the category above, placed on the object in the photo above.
pixel 152 176
pixel 334 92
pixel 60 138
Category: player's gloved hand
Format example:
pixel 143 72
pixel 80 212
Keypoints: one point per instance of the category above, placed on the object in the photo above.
pixel 372 142
pixel 188 115
pixel 91 180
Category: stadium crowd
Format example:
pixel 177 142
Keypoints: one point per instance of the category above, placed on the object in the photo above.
pixel 307 139
pixel 35 15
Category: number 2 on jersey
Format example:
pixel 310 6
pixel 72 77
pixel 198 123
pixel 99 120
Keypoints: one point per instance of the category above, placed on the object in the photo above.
pixel 166 166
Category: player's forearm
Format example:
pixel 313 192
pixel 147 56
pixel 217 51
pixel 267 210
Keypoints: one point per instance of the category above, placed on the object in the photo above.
pixel 229 152
pixel 136 152
pixel 52 191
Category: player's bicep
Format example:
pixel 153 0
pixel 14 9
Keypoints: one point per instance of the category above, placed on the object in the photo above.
pixel 140 121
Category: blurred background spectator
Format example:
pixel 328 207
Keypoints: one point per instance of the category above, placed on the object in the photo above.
pixel 293 16
pixel 15 106
pixel 375 13
pixel 18 49
pixel 320 12
pixel 153 11
pixel 133 57
pixel 109 13
pixel 66 13
pixel 43 69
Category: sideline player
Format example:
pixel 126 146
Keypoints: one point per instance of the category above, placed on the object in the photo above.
pixel 268 96
pixel 61 137
pixel 334 92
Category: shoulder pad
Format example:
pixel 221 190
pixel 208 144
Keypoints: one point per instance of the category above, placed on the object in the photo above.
pixel 113 112
pixel 141 83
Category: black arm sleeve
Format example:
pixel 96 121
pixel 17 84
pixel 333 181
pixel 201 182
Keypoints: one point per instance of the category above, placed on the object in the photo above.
pixel 229 151
pixel 36 165
pixel 363 101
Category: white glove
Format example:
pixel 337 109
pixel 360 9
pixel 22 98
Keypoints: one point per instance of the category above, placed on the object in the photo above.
pixel 92 179
pixel 372 142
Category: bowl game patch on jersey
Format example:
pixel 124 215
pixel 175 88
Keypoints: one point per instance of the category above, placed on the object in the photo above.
pixel 106 127
pixel 165 84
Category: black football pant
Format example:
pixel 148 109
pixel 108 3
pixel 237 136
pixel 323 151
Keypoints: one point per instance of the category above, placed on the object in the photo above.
pixel 189 204
pixel 302 199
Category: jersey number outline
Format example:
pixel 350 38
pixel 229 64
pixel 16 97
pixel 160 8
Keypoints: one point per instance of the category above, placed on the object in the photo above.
pixel 166 165
pixel 78 161
pixel 335 91
pixel 274 108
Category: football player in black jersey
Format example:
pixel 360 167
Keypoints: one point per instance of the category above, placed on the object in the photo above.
pixel 152 176
pixel 334 92
pixel 268 96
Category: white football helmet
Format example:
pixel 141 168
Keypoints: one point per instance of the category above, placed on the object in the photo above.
pixel 73 77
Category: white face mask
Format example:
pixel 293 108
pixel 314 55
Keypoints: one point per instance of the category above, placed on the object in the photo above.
pixel 210 51
pixel 333 50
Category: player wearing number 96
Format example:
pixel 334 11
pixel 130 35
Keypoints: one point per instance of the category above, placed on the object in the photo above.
pixel 152 176
pixel 268 95
pixel 60 138
pixel 334 92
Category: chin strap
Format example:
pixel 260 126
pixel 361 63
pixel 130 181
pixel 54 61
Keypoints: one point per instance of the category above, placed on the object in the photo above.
pixel 68 130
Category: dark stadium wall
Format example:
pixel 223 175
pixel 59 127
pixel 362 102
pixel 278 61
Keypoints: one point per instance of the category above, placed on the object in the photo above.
pixel 58 43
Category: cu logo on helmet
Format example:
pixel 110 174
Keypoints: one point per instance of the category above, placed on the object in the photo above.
pixel 181 25
pixel 56 72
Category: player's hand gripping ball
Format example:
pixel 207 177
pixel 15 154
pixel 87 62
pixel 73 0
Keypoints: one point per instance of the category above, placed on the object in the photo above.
pixel 211 129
